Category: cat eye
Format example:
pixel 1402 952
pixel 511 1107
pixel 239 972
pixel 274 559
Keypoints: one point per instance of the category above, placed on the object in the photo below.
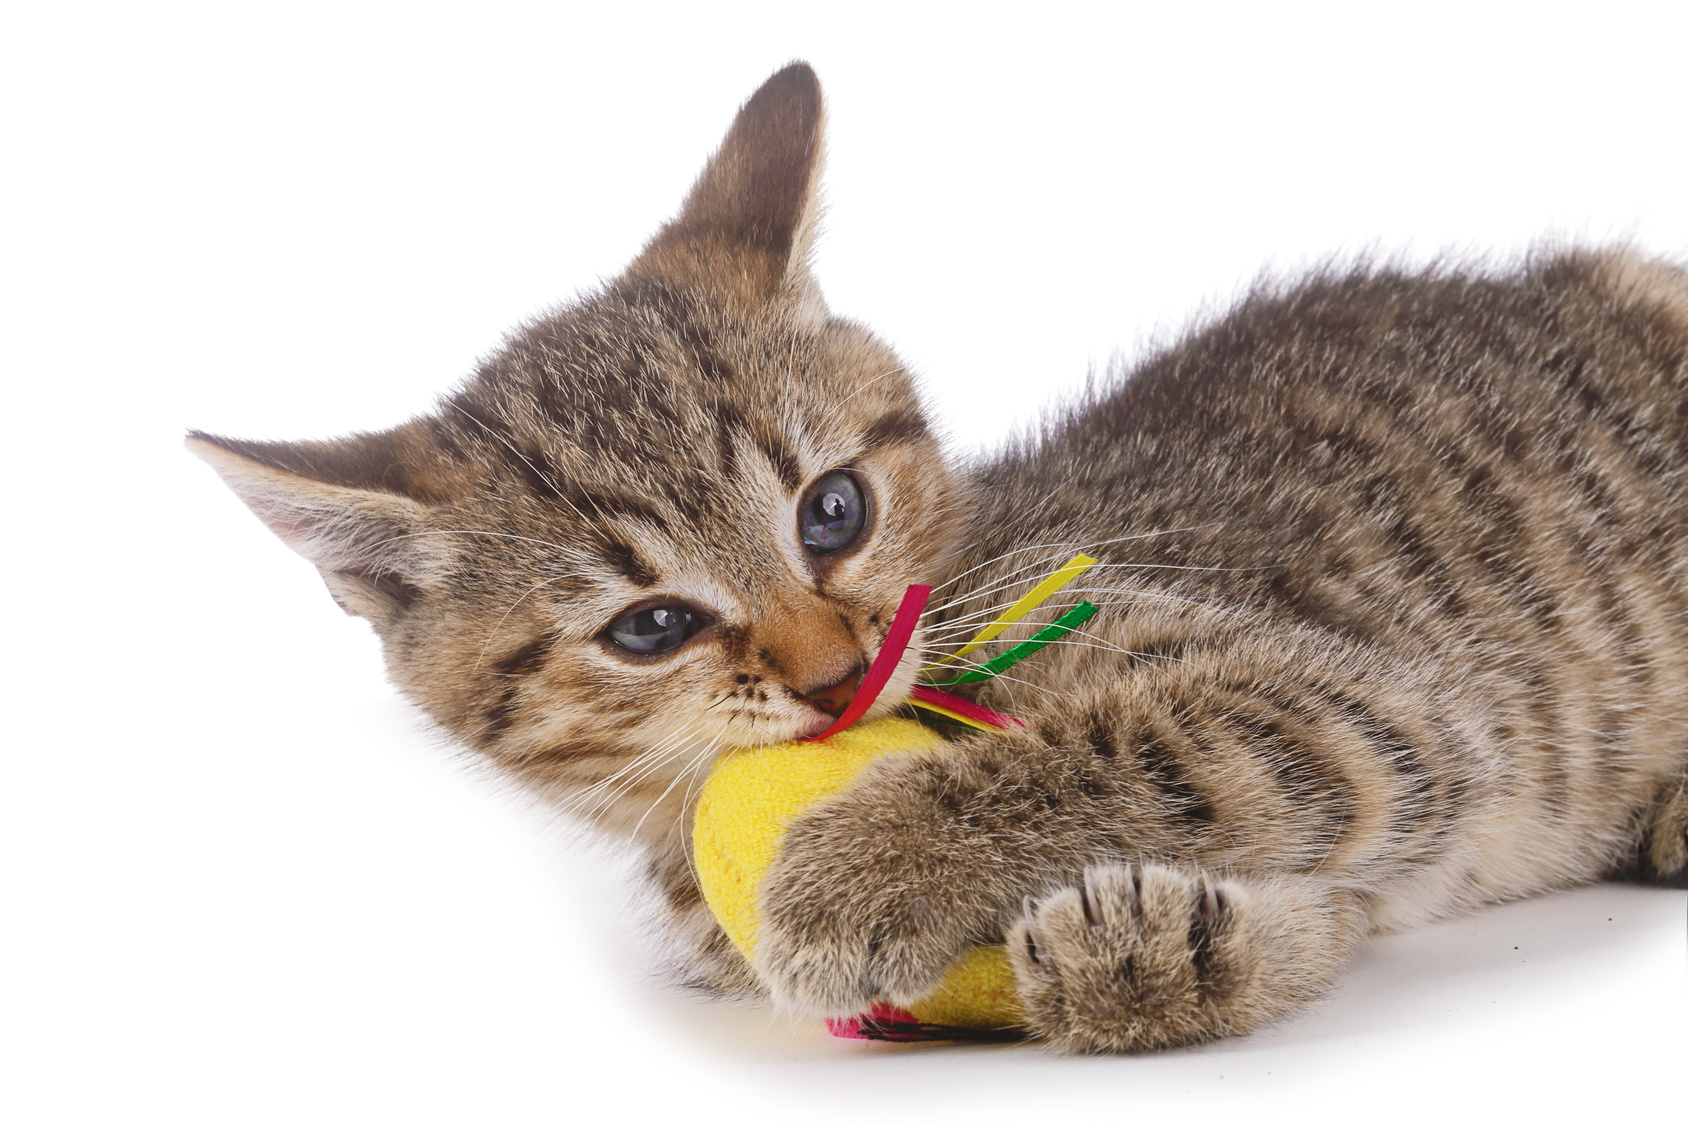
pixel 658 629
pixel 832 513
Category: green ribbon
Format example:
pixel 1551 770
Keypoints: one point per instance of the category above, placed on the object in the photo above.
pixel 1054 631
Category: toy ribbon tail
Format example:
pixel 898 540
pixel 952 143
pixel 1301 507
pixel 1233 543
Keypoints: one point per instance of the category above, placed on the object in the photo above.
pixel 1034 597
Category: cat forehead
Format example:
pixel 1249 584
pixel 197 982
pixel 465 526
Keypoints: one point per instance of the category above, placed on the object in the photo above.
pixel 650 346
pixel 663 395
pixel 653 444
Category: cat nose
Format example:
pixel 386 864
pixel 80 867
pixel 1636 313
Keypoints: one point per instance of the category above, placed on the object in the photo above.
pixel 835 697
pixel 804 640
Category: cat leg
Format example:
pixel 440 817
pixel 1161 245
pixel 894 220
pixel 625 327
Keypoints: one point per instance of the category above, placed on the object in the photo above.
pixel 1259 766
pixel 1147 956
pixel 707 960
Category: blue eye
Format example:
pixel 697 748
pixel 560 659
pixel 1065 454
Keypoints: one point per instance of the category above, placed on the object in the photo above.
pixel 832 514
pixel 661 628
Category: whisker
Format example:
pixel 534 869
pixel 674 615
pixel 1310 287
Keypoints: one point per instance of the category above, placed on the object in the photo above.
pixel 1174 566
pixel 1006 581
pixel 968 623
pixel 1068 545
pixel 697 779
pixel 635 770
pixel 1130 596
pixel 709 748
pixel 1004 676
pixel 1090 573
pixel 1090 640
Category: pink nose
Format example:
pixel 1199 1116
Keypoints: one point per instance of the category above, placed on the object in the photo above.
pixel 834 698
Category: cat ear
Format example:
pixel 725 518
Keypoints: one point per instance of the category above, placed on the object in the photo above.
pixel 352 507
pixel 748 223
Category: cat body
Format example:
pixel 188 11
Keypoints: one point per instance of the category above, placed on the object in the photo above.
pixel 1394 612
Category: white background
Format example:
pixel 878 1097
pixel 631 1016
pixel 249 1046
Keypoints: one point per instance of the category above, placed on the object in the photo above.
pixel 242 882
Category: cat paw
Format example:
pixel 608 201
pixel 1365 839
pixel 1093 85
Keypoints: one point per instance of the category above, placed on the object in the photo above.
pixel 851 915
pixel 1157 956
pixel 1154 956
pixel 1127 960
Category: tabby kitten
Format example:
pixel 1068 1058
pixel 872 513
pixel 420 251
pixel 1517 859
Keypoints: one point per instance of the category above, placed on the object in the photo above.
pixel 1395 591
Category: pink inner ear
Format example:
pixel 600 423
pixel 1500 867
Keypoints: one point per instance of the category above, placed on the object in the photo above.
pixel 896 641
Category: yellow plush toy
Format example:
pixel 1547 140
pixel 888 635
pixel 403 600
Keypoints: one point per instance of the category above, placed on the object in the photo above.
pixel 753 795
pixel 741 817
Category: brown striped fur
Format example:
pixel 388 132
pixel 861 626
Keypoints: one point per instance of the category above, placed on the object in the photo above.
pixel 1395 606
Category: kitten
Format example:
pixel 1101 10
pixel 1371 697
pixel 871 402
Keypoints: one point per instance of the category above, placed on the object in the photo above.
pixel 1395 593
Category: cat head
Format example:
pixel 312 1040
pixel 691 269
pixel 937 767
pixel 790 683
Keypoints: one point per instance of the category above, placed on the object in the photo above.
pixel 672 518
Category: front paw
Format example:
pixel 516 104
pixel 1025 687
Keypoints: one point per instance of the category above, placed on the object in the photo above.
pixel 1153 956
pixel 1124 962
pixel 853 913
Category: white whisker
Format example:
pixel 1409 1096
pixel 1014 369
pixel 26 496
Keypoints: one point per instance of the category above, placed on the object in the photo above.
pixel 1067 545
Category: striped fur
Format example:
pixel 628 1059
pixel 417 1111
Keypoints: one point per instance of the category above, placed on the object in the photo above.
pixel 1396 611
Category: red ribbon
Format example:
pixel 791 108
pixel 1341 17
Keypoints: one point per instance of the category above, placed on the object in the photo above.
pixel 890 653
pixel 964 707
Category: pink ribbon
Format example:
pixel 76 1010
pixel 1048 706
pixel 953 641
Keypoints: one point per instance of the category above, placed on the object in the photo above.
pixel 896 640
pixel 963 707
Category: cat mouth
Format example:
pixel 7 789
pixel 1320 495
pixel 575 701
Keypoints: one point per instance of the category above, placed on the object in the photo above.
pixel 830 702
pixel 835 698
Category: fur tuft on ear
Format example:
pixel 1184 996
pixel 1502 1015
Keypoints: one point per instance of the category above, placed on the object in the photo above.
pixel 751 215
pixel 365 541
